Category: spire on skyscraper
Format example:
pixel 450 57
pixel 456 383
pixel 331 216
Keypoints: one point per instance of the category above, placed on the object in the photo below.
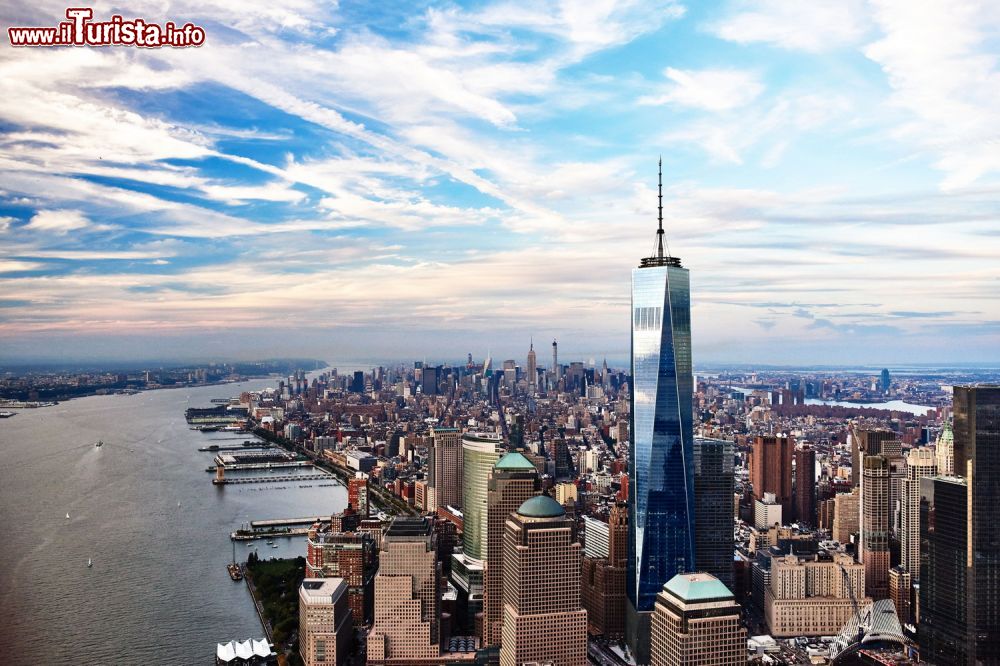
pixel 661 257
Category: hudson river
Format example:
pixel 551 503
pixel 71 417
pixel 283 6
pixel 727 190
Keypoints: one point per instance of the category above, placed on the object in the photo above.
pixel 144 509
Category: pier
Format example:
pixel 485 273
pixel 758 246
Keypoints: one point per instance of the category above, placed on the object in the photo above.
pixel 269 533
pixel 287 522
pixel 214 448
pixel 223 481
pixel 275 465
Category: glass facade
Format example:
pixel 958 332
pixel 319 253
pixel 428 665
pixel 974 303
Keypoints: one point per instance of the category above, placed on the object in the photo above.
pixel 661 472
pixel 479 454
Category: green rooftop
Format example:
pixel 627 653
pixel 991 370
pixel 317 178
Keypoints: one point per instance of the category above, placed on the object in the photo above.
pixel 514 461
pixel 541 506
pixel 697 587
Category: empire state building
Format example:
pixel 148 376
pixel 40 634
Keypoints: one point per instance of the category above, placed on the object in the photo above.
pixel 661 471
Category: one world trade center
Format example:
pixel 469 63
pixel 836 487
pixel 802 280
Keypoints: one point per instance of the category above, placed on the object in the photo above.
pixel 661 473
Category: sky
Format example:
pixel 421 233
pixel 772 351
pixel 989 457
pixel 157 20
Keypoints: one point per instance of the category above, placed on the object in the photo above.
pixel 407 180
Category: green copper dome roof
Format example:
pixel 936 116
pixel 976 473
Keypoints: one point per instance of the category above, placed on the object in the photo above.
pixel 541 506
pixel 514 461
pixel 697 587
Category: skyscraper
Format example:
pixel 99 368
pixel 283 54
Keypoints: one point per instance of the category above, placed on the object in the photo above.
pixel 325 626
pixel 919 463
pixel 407 600
pixel 977 459
pixel 805 484
pixel 713 508
pixel 771 470
pixel 661 470
pixel 555 363
pixel 870 442
pixel 446 467
pixel 603 579
pixel 944 449
pixel 480 452
pixel 532 368
pixel 697 623
pixel 513 480
pixel 543 621
pixel 944 535
pixel 876 515
pixel 885 380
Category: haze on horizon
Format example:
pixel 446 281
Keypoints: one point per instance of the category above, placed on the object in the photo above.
pixel 347 182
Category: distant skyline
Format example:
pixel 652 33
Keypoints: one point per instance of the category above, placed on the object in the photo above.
pixel 348 180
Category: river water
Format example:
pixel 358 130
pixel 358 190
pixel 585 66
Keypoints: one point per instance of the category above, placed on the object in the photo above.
pixel 144 509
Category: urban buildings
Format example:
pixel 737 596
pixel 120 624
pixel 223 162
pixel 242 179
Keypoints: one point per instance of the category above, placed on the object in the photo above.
pixel 846 516
pixel 543 621
pixel 920 463
pixel 960 535
pixel 603 578
pixel 696 622
pixel 357 494
pixel 810 595
pixel 513 480
pixel 480 452
pixel 767 512
pixel 876 516
pixel 945 451
pixel 407 596
pixel 713 508
pixel 326 630
pixel 805 484
pixel 532 369
pixel 348 556
pixel 661 469
pixel 445 468
pixel 771 470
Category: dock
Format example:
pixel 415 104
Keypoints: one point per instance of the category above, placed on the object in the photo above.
pixel 287 522
pixel 231 467
pixel 272 479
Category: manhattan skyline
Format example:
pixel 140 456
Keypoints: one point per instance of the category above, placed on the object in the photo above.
pixel 448 177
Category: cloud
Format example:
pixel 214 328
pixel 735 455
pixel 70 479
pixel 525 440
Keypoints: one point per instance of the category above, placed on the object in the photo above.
pixel 709 89
pixel 815 26
pixel 58 221
pixel 939 60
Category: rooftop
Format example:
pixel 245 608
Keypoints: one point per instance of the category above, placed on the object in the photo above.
pixel 541 506
pixel 514 461
pixel 322 590
pixel 697 587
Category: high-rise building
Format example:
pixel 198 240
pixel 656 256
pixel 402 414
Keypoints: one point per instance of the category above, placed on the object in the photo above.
pixel 603 578
pixel 876 517
pixel 357 494
pixel 805 484
pixel 944 449
pixel 872 443
pixel 885 381
pixel 543 621
pixel 429 380
pixel 919 463
pixel 960 574
pixel 407 599
pixel 771 470
pixel 555 363
pixel 661 469
pixel 325 627
pixel 901 593
pixel 697 623
pixel 846 515
pixel 445 468
pixel 349 556
pixel 713 510
pixel 513 480
pixel 532 368
pixel 480 452
pixel 595 537
pixel 944 537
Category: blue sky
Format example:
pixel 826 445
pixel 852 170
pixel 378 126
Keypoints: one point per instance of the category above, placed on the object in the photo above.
pixel 408 180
